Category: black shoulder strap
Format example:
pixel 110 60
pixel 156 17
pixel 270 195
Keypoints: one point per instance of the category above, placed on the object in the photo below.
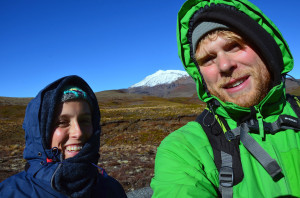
pixel 219 143
pixel 295 103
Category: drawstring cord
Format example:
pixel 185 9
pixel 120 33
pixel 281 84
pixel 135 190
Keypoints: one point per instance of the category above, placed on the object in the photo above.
pixel 214 120
pixel 102 170
pixel 55 152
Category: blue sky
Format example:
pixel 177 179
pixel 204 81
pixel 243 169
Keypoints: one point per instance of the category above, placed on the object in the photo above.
pixel 111 44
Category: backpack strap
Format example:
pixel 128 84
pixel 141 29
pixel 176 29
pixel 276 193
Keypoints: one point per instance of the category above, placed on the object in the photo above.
pixel 226 153
pixel 225 144
pixel 226 175
pixel 270 165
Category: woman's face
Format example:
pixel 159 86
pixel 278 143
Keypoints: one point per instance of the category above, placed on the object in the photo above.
pixel 72 127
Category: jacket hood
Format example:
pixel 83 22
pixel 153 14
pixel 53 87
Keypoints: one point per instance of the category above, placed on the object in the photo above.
pixel 249 21
pixel 38 127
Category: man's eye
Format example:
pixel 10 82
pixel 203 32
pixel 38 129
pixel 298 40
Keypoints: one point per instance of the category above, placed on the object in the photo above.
pixel 206 61
pixel 233 47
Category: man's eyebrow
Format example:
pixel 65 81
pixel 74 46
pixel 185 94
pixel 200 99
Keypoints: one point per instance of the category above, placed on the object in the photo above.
pixel 201 54
pixel 201 58
pixel 230 42
pixel 197 56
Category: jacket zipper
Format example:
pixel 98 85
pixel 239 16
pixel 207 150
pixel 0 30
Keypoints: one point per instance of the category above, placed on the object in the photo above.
pixel 259 118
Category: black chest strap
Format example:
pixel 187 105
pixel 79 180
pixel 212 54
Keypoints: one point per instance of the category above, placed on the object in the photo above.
pixel 230 173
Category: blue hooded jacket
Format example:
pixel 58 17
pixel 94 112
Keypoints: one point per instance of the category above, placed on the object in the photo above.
pixel 46 173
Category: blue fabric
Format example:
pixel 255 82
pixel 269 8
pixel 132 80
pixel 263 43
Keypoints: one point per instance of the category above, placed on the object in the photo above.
pixel 24 185
pixel 72 177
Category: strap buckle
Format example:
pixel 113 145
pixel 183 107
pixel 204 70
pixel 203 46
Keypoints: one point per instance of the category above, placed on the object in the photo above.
pixel 226 176
pixel 229 135
pixel 253 125
pixel 283 122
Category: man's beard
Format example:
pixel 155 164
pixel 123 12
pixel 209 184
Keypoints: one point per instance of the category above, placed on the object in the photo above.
pixel 260 82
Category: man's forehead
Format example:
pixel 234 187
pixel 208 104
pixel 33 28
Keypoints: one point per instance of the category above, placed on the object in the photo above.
pixel 227 36
pixel 205 42
pixel 203 29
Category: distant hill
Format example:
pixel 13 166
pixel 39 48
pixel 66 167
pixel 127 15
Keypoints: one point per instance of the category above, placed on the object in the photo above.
pixel 180 86
pixel 161 77
pixel 14 101
pixel 166 84
pixel 292 86
pixel 295 91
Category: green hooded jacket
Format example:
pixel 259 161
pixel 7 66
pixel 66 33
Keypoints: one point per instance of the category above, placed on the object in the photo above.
pixel 184 164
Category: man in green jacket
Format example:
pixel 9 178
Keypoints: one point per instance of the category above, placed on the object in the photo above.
pixel 239 61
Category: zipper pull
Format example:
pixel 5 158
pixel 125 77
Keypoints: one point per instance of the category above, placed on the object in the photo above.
pixel 260 123
pixel 297 100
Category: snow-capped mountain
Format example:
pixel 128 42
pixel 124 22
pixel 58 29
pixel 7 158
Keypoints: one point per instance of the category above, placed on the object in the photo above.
pixel 161 77
pixel 169 83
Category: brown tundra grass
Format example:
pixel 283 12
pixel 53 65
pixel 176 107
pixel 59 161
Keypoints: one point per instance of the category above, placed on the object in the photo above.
pixel 131 132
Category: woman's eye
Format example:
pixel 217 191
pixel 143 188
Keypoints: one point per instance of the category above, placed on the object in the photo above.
pixel 85 121
pixel 63 123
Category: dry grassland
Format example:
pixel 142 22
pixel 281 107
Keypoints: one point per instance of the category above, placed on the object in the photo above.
pixel 132 129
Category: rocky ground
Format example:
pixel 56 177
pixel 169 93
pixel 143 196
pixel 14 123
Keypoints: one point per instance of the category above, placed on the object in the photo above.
pixel 132 162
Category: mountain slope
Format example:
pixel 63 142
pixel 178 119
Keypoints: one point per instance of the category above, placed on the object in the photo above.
pixel 161 77
pixel 167 84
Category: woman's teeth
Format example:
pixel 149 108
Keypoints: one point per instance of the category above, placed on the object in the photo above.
pixel 73 148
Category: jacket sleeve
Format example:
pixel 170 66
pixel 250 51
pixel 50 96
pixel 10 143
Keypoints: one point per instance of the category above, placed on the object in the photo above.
pixel 184 166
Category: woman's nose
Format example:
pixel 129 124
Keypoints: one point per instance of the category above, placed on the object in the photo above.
pixel 75 131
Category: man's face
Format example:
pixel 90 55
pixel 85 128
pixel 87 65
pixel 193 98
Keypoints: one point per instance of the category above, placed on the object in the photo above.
pixel 233 72
pixel 72 127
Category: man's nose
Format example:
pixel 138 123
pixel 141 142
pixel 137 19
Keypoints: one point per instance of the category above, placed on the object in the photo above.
pixel 225 63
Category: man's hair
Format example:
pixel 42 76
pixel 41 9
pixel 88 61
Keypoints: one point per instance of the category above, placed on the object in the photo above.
pixel 227 34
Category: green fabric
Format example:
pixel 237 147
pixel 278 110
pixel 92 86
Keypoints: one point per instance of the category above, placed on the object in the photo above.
pixel 184 164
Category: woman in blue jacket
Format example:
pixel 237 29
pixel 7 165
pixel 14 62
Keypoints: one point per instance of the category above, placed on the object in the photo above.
pixel 62 132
